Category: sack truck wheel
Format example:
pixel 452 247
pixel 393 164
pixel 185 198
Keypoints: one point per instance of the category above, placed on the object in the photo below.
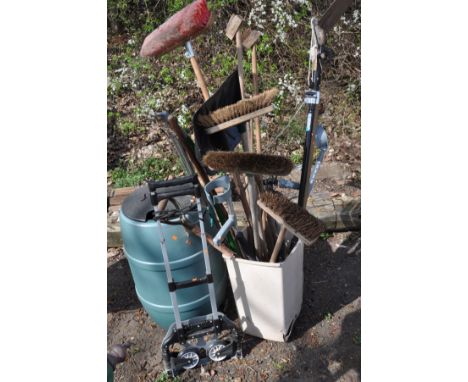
pixel 214 349
pixel 190 354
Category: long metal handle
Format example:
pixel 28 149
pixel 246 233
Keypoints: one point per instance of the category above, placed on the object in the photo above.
pixel 307 158
pixel 167 267
pixel 312 99
pixel 315 171
pixel 206 257
pixel 226 196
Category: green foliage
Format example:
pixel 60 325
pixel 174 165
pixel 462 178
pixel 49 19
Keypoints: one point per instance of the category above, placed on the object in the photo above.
pixel 296 156
pixel 217 4
pixel 264 46
pixel 164 377
pixel 176 5
pixel 151 168
pixel 357 338
pixel 280 365
pixel 353 91
pixel 223 65
pixel 139 17
pixel 166 76
pixel 134 16
pixel 296 130
pixel 326 235
pixel 112 114
pixel 128 126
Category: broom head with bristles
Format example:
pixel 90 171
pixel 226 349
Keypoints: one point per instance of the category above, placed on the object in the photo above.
pixel 294 217
pixel 181 27
pixel 238 109
pixel 248 163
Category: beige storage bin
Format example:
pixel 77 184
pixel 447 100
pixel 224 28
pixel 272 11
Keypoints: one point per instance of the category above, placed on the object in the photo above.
pixel 268 295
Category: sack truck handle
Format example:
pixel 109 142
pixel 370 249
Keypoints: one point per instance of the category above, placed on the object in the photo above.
pixel 186 185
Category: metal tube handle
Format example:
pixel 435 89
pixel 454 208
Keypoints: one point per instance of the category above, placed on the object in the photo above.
pixel 225 196
pixel 190 179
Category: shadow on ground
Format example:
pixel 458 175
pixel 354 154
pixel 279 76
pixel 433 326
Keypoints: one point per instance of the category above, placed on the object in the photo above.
pixel 328 332
pixel 120 288
pixel 332 279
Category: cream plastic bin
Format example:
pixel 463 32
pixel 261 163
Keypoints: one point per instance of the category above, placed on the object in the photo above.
pixel 268 295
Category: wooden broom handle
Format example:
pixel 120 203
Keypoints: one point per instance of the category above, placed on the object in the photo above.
pixel 221 248
pixel 278 244
pixel 255 92
pixel 202 176
pixel 200 78
pixel 243 196
pixel 240 67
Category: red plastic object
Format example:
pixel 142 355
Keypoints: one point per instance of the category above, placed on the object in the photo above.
pixel 186 24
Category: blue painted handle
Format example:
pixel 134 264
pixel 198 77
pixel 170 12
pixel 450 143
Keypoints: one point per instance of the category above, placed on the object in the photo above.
pixel 315 171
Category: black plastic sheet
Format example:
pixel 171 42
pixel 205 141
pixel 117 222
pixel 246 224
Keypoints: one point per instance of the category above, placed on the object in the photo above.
pixel 225 140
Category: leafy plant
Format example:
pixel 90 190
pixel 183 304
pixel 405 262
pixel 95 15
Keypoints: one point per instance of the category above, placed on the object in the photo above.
pixel 296 156
pixel 326 235
pixel 164 377
pixel 357 338
pixel 151 168
pixel 166 75
pixel 127 126
pixel 280 365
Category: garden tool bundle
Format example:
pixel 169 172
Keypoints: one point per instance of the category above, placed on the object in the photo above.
pixel 220 125
pixel 179 29
pixel 290 216
pixel 223 122
pixel 218 118
pixel 197 340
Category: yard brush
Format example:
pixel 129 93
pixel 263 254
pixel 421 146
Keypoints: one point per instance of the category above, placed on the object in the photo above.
pixel 248 163
pixel 239 112
pixel 292 217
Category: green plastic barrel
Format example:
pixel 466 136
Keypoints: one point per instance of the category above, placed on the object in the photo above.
pixel 142 248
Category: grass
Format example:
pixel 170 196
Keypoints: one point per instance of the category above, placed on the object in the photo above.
pixel 128 126
pixel 296 156
pixel 280 365
pixel 164 377
pixel 151 168
pixel 357 339
pixel 326 235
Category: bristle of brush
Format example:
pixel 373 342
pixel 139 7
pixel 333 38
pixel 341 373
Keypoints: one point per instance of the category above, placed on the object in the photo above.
pixel 294 215
pixel 238 109
pixel 248 163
